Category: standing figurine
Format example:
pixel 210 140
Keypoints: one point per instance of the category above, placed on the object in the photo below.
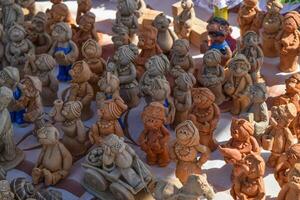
pixel 279 132
pixel 18 48
pixel 205 114
pixel 38 35
pixel 238 84
pixel 155 136
pixel 29 5
pixel 75 136
pixel 11 13
pixel 212 75
pixel 184 19
pixel 55 161
pixel 108 122
pixel 64 50
pixel 10 156
pixel 80 89
pixel 253 53
pixel 165 36
pixel 185 151
pixel 288 42
pixel 92 52
pixel 83 7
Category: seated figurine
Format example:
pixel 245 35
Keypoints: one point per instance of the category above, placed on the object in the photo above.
pixel 184 19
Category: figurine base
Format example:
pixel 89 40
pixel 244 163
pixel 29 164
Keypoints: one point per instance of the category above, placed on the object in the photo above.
pixel 7 165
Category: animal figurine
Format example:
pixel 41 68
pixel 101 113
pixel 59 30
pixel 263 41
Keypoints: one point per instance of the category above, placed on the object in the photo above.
pixel 212 74
pixel 10 156
pixel 11 13
pixel 165 36
pixel 29 5
pixel 185 151
pixel 108 122
pixel 155 136
pixel 5 191
pixel 63 49
pixel 185 19
pixel 288 42
pixel 205 114
pixel 238 84
pixel 55 160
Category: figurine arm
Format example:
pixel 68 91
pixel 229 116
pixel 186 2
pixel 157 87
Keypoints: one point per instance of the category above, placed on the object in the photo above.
pixel 255 145
pixel 205 153
pixel 81 133
pixel 53 83
pixel 283 192
pixel 40 158
pixel 89 95
pixel 73 55
pixel 67 160
pixel 128 78
pixel 74 88
pixel 94 135
pixel 215 120
pixel 166 135
pixel 118 129
pixel 289 138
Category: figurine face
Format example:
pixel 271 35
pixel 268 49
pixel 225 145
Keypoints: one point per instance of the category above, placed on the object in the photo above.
pixel 212 58
pixel 278 119
pixel 90 51
pixel 104 113
pixel 17 35
pixel 186 4
pixel 184 135
pixel 180 48
pixel 59 34
pixel 38 26
pixel 152 123
pixel 151 67
pixel 257 94
pixel 240 130
pixel 239 68
pixel 85 24
pixel 46 137
pixel 289 25
pixel 161 22
pixel 292 85
pixel 120 40
pixel 202 101
pixel 250 39
pixel 126 7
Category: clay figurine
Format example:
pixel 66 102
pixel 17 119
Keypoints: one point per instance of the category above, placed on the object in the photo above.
pixel 205 114
pixel 279 136
pixel 124 69
pixel 272 25
pixel 238 84
pixel 212 75
pixel 109 88
pixel 185 151
pixel 108 122
pixel 75 137
pixel 285 163
pixel 5 191
pixel 80 89
pixel 92 53
pixel 11 13
pixel 185 19
pixel 38 35
pixel 64 50
pixel 155 136
pixel 195 187
pixel 121 36
pixel 29 5
pixel 83 7
pixel 248 182
pixel 288 42
pixel 55 160
pixel 148 44
pixel 18 48
pixel 165 36
pixel 250 48
pixel 11 156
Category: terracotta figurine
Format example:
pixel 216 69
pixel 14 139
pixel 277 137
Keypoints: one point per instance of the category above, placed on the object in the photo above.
pixel 92 53
pixel 64 50
pixel 205 114
pixel 11 13
pixel 212 75
pixel 83 7
pixel 108 123
pixel 29 5
pixel 11 156
pixel 165 36
pixel 185 151
pixel 55 160
pixel 238 84
pixel 185 19
pixel 5 191
pixel 155 136
pixel 288 42
pixel 75 136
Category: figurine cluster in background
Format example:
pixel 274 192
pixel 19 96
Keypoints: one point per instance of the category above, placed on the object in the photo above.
pixel 150 63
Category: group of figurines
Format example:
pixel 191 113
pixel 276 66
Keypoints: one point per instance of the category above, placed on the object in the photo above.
pixel 151 63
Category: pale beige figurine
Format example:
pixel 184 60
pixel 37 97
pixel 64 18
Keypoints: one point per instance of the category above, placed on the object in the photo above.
pixel 184 19
pixel 5 191
pixel 11 13
pixel 10 156
pixel 212 75
pixel 55 160
pixel 75 135
pixel 238 84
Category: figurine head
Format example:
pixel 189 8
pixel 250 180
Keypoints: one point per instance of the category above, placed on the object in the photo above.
pixel 187 4
pixel 48 135
pixel 283 115
pixel 112 109
pixel 87 21
pixel 80 72
pixel 114 143
pixel 6 95
pixel 122 35
pixel 39 22
pixel 250 38
pixel 253 166
pixel 9 77
pixel 91 49
pixel 293 84
pixel 126 54
pixel 147 37
pixel 31 86
pixel 218 24
pixel 294 177
pixel 161 22
pixel 241 129
pixel 181 47
pixel 16 33
pixel 72 110
pixel 109 83
pixel 258 92
pixel 127 7
pixel 202 97
pixel 157 65
pixel 293 155
pixel 84 5
pixel 291 21
pixel 212 58
pixel 217 36
pixel 61 32
pixel 274 6
pixel 187 134
pixel 153 116
pixel 45 62
pixel 185 81
pixel 5 191
pixel 239 65
pixel 59 12
pixel 250 3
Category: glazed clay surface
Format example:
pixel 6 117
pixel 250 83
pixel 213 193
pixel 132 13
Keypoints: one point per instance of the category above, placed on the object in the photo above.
pixel 184 21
